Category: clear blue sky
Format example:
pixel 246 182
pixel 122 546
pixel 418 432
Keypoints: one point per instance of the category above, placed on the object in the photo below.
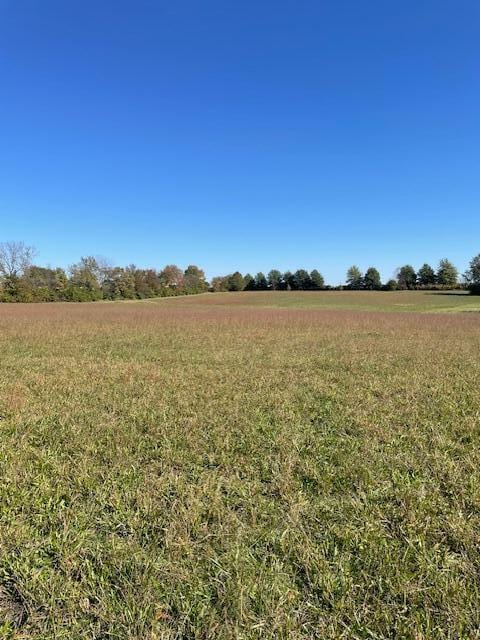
pixel 242 135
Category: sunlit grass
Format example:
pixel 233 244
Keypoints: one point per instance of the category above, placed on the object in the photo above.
pixel 419 301
pixel 215 467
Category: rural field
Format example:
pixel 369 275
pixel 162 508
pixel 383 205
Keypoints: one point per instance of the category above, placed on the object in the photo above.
pixel 241 466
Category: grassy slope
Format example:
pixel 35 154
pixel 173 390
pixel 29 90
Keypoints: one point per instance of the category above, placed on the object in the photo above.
pixel 196 469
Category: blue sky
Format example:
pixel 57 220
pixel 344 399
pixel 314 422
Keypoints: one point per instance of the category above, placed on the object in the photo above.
pixel 242 135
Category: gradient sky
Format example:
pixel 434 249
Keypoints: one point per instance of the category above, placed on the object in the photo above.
pixel 242 135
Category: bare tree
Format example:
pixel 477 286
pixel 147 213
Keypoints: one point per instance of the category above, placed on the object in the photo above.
pixel 15 258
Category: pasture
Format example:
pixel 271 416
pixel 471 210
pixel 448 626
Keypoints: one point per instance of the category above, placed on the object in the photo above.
pixel 241 466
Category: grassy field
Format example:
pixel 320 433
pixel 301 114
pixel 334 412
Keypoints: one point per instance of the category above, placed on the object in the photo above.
pixel 241 466
pixel 422 301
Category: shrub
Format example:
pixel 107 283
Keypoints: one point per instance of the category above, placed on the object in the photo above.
pixel 391 285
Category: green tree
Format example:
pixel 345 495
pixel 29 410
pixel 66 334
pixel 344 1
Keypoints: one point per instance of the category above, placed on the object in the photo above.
pixel 317 280
pixel 249 282
pixel 354 278
pixel 447 273
pixel 52 282
pixel 288 281
pixel 426 275
pixel 472 275
pixel 85 279
pixel 236 281
pixel 391 285
pixel 275 279
pixel 372 279
pixel 301 280
pixel 119 283
pixel 261 283
pixel 194 279
pixel 407 277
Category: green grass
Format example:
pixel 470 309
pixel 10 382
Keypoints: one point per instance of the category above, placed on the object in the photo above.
pixel 418 301
pixel 240 466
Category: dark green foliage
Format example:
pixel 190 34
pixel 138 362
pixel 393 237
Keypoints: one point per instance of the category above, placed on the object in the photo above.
pixel 287 280
pixel 472 276
pixel 275 280
pixel 236 282
pixel 261 283
pixel 391 285
pixel 301 280
pixel 74 293
pixel 317 280
pixel 372 280
pixel 407 277
pixel 249 282
pixel 426 276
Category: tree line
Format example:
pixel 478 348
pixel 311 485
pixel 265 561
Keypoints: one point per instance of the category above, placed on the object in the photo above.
pixel 446 276
pixel 93 278
pixel 89 279
pixel 300 280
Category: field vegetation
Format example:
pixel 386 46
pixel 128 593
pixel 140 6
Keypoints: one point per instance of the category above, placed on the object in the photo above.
pixel 93 278
pixel 242 465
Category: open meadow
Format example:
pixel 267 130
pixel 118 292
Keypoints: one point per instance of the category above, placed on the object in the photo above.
pixel 241 466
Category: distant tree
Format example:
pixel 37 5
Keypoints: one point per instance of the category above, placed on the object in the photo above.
pixel 407 277
pixel 447 273
pixel 287 280
pixel 220 283
pixel 275 279
pixel 472 275
pixel 391 285
pixel 354 278
pixel 85 276
pixel 426 276
pixel 261 283
pixel 236 282
pixel 249 282
pixel 45 283
pixel 317 280
pixel 147 282
pixel 172 276
pixel 372 279
pixel 119 283
pixel 301 280
pixel 194 280
pixel 15 259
